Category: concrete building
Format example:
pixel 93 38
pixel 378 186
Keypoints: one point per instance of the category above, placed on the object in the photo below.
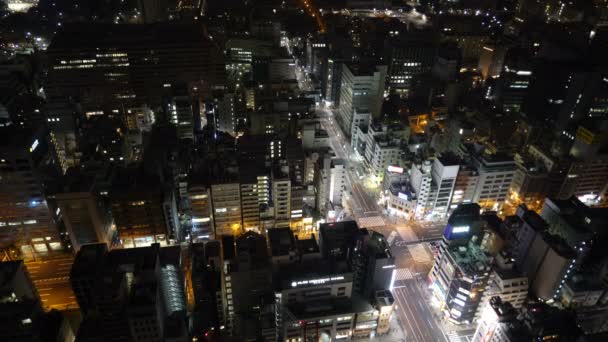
pixel 495 177
pixel 362 90
pixel 94 64
pixel 281 195
pixel 409 55
pixel 381 150
pixel 462 267
pixel 506 283
pixel 226 201
pixel 549 262
pixel 421 180
pixel 444 172
pixel 331 182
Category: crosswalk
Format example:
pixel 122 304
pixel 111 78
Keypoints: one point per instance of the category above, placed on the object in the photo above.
pixel 403 274
pixel 373 221
pixel 419 253
pixel 453 336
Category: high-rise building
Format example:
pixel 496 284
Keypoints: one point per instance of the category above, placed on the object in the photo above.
pixel 361 90
pixel 444 173
pixel 495 174
pixel 26 220
pixel 281 195
pixel 105 67
pixel 462 267
pixel 373 264
pixel 330 180
pixel 409 55
pixel 548 264
pixel 421 180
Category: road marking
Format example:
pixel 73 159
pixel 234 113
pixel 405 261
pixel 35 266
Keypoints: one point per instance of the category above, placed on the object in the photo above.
pixel 374 221
pixel 453 336
pixel 403 274
pixel 419 253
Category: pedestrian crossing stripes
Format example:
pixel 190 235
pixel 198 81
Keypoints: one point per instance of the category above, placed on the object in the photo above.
pixel 374 221
pixel 453 336
pixel 404 274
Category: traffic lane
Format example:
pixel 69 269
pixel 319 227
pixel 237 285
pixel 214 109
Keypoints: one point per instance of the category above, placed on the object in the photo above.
pixel 413 289
pixel 418 312
pixel 408 316
pixel 50 268
pixel 57 295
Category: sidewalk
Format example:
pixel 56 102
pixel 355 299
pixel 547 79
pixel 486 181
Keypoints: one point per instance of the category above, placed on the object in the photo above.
pixel 395 334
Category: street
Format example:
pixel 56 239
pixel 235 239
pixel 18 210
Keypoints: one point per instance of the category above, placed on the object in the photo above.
pixel 52 280
pixel 410 242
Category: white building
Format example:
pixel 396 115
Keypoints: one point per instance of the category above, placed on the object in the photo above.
pixel 495 175
pixel 361 90
pixel 444 172
pixel 331 182
pixel 421 181
pixel 226 199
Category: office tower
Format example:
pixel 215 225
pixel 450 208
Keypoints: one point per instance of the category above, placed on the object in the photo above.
pixel 361 90
pixel 373 264
pixel 131 294
pixel 444 173
pixel 105 67
pixel 461 269
pixel 281 195
pixel 247 286
pixel 86 216
pixel 199 197
pixel 330 182
pixel 26 220
pixel 409 55
pixel 226 200
pixel 138 207
pixel 495 176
